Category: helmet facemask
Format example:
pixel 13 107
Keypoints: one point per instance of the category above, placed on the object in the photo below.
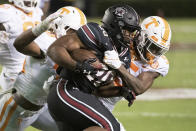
pixel 154 38
pixel 59 28
pixel 127 36
pixel 72 18
pixel 148 49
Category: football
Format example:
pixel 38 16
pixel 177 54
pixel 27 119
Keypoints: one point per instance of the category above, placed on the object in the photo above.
pixel 104 78
pixel 82 54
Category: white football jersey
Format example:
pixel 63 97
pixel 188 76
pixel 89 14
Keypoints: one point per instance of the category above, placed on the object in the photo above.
pixel 15 22
pixel 36 72
pixel 161 66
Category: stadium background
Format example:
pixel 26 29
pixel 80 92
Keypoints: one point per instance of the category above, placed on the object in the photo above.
pixel 166 114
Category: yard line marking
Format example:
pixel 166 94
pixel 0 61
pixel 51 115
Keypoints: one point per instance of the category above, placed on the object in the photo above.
pixel 164 94
pixel 156 114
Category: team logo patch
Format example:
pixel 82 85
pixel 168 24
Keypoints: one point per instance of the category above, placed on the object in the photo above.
pixel 119 12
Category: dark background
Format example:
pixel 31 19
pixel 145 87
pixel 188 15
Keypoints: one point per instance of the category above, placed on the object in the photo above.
pixel 96 8
pixel 169 8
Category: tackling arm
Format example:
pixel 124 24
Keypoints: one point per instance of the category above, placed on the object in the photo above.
pixel 138 84
pixel 24 44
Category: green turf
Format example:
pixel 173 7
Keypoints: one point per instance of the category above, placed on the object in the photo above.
pixel 182 72
pixel 31 129
pixel 167 115
pixel 164 115
pixel 183 30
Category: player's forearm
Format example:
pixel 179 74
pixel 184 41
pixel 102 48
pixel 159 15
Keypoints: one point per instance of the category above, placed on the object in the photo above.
pixel 61 57
pixel 24 40
pixel 131 81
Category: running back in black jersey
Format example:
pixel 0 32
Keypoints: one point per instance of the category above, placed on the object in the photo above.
pixel 94 37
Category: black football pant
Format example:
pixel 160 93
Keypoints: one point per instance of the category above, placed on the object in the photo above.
pixel 74 110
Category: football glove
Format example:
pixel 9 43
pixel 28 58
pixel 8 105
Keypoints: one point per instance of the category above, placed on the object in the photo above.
pixel 111 58
pixel 85 67
pixel 45 24
pixel 128 94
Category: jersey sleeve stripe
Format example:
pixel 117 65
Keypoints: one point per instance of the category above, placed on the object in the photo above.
pixel 123 52
pixel 89 34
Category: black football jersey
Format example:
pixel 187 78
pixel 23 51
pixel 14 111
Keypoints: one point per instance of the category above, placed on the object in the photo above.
pixel 94 37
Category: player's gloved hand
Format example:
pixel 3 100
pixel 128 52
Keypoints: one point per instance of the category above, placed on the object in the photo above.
pixel 45 24
pixel 128 94
pixel 111 58
pixel 85 67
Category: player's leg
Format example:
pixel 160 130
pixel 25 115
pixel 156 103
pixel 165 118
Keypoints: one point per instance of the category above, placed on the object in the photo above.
pixel 45 122
pixel 12 116
pixel 78 109
pixel 9 114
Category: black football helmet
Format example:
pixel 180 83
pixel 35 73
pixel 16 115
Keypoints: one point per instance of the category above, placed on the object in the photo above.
pixel 118 18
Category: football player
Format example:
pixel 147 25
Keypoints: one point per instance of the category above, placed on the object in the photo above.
pixel 27 100
pixel 148 61
pixel 75 104
pixel 147 58
pixel 15 18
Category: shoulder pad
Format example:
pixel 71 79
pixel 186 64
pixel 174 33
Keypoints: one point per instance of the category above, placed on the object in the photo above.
pixel 94 37
pixel 161 65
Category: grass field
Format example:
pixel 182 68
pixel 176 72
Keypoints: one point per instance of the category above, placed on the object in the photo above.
pixel 163 115
pixel 166 115
pixel 182 72
pixel 183 30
